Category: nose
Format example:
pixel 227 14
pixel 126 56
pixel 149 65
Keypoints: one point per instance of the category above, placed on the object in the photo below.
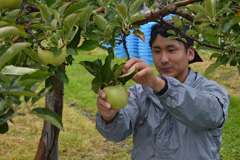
pixel 164 58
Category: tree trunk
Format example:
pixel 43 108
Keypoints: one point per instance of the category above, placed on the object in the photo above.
pixel 48 145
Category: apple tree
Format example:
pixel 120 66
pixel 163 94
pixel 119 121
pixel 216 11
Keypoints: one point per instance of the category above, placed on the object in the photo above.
pixel 38 39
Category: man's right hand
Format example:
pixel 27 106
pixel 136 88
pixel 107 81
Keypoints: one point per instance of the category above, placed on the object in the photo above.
pixel 104 108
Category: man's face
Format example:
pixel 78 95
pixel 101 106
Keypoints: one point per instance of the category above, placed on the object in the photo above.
pixel 170 57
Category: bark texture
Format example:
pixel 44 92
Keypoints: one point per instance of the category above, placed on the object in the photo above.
pixel 48 145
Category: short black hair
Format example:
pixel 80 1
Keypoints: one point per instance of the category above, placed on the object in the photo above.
pixel 162 29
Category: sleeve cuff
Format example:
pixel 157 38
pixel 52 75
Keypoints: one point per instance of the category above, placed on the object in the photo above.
pixel 165 88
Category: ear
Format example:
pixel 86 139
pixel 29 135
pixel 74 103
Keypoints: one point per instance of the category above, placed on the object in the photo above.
pixel 191 53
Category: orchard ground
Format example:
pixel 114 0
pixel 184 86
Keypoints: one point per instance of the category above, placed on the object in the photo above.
pixel 80 139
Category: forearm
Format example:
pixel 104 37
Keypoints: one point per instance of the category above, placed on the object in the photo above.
pixel 117 130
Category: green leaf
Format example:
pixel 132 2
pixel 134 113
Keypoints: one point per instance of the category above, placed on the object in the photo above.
pixel 215 55
pixel 170 38
pixel 88 45
pixel 135 17
pixel 33 54
pixel 233 62
pixel 96 83
pixel 75 7
pixel 85 16
pixel 113 24
pixel 4 103
pixel 16 71
pixel 100 21
pixel 68 23
pixel 76 40
pixel 111 52
pixel 198 8
pixel 127 76
pixel 107 74
pixel 224 59
pixel 224 10
pixel 7 116
pixel 211 68
pixel 28 80
pixel 191 32
pixel 95 67
pixel 52 3
pixel 61 75
pixel 4 128
pixel 122 10
pixel 135 5
pixel 12 51
pixel 49 116
pixel 199 16
pixel 228 25
pixel 150 3
pixel 210 7
pixel 18 91
pixel 71 51
pixel 177 21
pixel 62 9
pixel 12 15
pixel 12 31
pixel 184 40
pixel 40 94
pixel 45 12
pixel 57 17
pixel 171 32
pixel 117 70
pixel 114 10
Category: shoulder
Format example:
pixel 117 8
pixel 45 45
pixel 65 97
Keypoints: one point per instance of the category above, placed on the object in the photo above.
pixel 209 86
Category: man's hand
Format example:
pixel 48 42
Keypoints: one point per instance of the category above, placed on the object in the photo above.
pixel 145 74
pixel 104 108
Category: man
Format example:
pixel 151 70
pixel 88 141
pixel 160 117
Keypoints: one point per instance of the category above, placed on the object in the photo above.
pixel 178 115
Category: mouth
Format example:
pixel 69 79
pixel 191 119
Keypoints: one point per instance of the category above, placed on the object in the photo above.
pixel 166 69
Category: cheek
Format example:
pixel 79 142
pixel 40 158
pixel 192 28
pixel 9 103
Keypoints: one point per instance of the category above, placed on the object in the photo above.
pixel 155 58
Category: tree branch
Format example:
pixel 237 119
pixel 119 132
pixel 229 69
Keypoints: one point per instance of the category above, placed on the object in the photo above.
pixel 166 10
pixel 184 3
pixel 28 30
pixel 31 8
pixel 188 16
pixel 123 36
pixel 185 35
pixel 196 40
pixel 236 10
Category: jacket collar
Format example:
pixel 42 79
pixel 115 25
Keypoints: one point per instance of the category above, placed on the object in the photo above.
pixel 190 78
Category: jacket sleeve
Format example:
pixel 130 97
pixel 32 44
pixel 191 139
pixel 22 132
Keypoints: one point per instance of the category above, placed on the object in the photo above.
pixel 123 124
pixel 201 107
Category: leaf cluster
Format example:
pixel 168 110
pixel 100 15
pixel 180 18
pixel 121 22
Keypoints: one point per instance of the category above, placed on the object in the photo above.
pixel 221 30
pixel 106 74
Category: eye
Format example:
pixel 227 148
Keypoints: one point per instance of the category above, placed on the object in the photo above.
pixel 156 51
pixel 171 50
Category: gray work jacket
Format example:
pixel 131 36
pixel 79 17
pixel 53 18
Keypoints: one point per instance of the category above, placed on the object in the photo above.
pixel 185 123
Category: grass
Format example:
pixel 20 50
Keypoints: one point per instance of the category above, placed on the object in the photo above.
pixel 80 140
